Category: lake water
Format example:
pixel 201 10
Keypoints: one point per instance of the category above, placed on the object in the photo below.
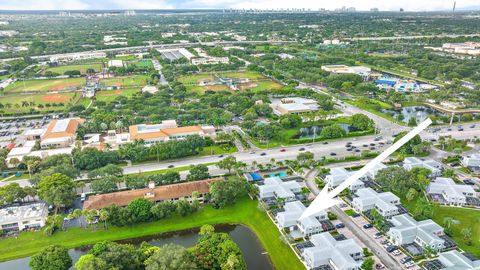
pixel 246 240
pixel 420 113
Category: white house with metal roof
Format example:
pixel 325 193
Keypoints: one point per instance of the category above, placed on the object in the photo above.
pixel 18 218
pixel 290 219
pixel 472 162
pixel 414 162
pixel 274 187
pixel 337 175
pixel 406 230
pixel 451 192
pixel 343 254
pixel 386 203
pixel 373 172
pixel 454 260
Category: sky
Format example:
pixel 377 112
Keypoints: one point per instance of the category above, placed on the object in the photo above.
pixel 408 5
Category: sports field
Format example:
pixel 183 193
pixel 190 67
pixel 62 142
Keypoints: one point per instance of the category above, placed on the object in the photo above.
pixel 45 85
pixel 257 82
pixel 82 68
pixel 39 102
pixel 111 95
pixel 125 82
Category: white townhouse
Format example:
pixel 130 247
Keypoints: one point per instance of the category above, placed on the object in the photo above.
pixel 343 254
pixel 337 175
pixel 406 230
pixel 453 260
pixel 18 218
pixel 472 162
pixel 386 203
pixel 274 187
pixel 452 193
pixel 414 162
pixel 290 219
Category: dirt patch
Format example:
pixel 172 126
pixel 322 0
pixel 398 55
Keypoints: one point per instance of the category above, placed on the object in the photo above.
pixel 248 85
pixel 116 93
pixel 55 98
pixel 63 86
pixel 216 88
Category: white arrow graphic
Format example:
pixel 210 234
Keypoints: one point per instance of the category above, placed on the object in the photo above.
pixel 326 199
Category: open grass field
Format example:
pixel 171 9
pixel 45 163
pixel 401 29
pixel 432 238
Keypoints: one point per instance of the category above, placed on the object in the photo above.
pixel 147 63
pixel 257 82
pixel 126 81
pixel 243 212
pixel 111 95
pixel 81 68
pixel 44 85
pixel 39 102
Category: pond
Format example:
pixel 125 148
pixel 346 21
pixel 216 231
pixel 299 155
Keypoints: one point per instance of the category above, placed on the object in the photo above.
pixel 247 241
pixel 420 113
pixel 314 131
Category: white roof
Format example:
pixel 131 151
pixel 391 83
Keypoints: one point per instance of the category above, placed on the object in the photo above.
pixel 19 151
pixel 25 212
pixel 34 132
pixel 409 229
pixel 454 260
pixel 369 197
pixel 447 185
pixel 275 187
pixel 328 249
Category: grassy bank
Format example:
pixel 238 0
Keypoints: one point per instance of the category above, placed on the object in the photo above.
pixel 244 212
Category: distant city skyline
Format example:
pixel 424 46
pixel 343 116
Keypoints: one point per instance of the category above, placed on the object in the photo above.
pixel 408 5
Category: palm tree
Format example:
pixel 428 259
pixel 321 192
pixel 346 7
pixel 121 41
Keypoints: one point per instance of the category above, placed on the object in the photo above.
pixel 77 213
pixel 253 166
pixel 447 224
pixel 428 251
pixel 104 215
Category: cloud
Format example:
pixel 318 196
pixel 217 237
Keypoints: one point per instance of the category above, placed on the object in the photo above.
pixel 411 5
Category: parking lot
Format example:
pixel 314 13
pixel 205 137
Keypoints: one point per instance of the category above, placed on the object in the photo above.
pixel 373 233
pixel 11 129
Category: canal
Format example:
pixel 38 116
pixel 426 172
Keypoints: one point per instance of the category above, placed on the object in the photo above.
pixel 247 241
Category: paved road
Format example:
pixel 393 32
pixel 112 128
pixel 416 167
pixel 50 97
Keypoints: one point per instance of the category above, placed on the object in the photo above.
pixel 367 240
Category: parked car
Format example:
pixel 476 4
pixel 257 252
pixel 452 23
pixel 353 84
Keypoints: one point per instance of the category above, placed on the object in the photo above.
pixel 384 242
pixel 468 182
pixel 333 154
pixel 263 154
pixel 355 215
pixel 171 166
pixel 83 197
pixel 340 225
pixel 283 150
pixel 392 248
pixel 409 264
pixel 367 226
pixel 301 149
pixel 396 252
pixel 379 266
pixel 378 236
pixel 405 259
pixel 324 142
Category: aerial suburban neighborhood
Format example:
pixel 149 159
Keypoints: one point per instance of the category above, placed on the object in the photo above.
pixel 217 135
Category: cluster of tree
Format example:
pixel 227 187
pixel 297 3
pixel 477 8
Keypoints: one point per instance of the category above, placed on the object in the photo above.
pixel 130 69
pixel 415 146
pixel 142 210
pixel 92 158
pixel 213 251
pixel 139 151
pixel 399 180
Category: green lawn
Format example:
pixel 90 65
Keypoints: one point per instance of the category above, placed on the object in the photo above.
pixel 349 212
pixel 126 81
pixel 216 150
pixel 244 212
pixel 258 81
pixel 111 95
pixel 81 68
pixel 45 85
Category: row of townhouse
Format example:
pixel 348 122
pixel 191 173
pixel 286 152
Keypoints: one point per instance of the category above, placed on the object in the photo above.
pixel 323 251
pixel 446 191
